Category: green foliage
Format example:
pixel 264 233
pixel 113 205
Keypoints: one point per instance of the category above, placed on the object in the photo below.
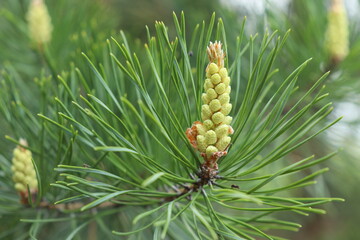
pixel 308 20
pixel 68 39
pixel 110 136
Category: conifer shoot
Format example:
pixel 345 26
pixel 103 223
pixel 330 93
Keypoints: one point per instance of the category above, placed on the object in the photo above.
pixel 211 136
pixel 24 175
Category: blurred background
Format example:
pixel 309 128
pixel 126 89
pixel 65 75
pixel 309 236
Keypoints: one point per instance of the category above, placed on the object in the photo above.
pixel 84 25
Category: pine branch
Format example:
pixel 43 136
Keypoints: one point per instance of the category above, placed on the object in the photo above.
pixel 110 136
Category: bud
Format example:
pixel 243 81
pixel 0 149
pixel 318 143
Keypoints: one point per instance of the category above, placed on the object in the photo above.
pixel 212 138
pixel 220 88
pixel 215 79
pixel 337 33
pixel 201 129
pixel 210 150
pixel 39 21
pixel 223 143
pixel 215 105
pixel 23 170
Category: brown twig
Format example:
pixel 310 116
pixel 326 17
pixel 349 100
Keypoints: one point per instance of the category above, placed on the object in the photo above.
pixel 207 175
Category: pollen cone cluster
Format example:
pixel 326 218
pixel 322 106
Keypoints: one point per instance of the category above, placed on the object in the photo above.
pixel 40 27
pixel 23 169
pixel 211 136
pixel 337 34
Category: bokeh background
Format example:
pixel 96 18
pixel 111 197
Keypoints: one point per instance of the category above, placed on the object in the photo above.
pixel 84 26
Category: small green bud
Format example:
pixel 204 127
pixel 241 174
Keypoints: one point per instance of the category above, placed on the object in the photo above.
pixel 220 89
pixel 205 112
pixel 17 154
pixel 40 26
pixel 337 32
pixel 215 105
pixel 200 129
pixel 28 179
pixel 226 108
pixel 226 81
pixel 33 184
pixel 211 94
pixel 208 124
pixel 224 98
pixel 218 117
pixel 210 137
pixel 29 171
pixel 205 98
pixel 208 84
pixel 210 150
pixel 223 143
pixel 228 89
pixel 223 73
pixel 227 120
pixel 222 130
pixel 215 79
pixel 201 143
pixel 20 187
pixel 19 177
pixel 23 169
pixel 19 165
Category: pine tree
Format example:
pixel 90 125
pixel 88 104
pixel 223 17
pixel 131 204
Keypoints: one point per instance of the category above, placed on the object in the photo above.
pixel 180 138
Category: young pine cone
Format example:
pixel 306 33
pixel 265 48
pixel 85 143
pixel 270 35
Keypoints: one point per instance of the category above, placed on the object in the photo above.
pixel 211 136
